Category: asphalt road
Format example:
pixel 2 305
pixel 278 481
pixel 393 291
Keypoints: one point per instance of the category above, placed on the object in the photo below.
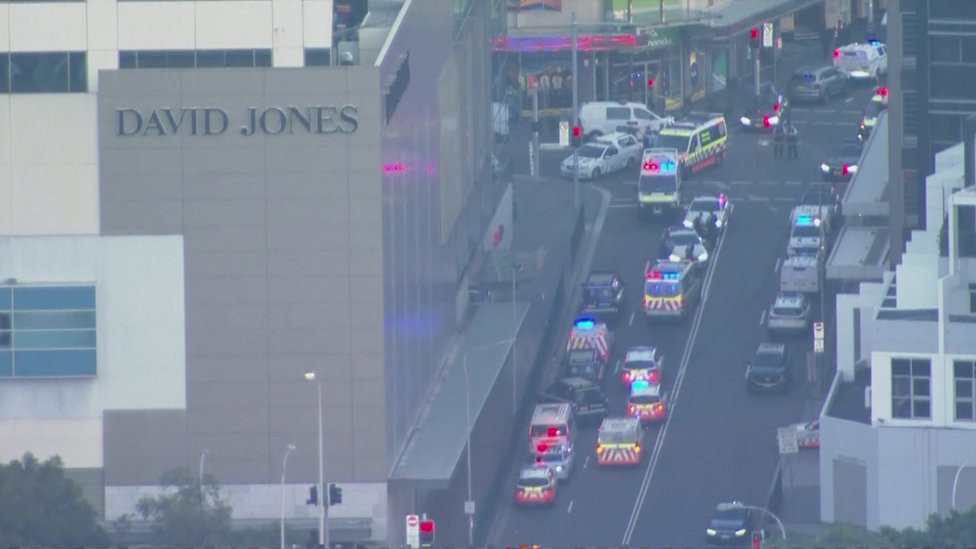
pixel 719 441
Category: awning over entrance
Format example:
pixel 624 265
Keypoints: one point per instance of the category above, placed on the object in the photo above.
pixel 437 442
pixel 734 18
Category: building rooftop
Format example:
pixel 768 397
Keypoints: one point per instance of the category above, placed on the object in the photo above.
pixel 865 195
pixel 860 253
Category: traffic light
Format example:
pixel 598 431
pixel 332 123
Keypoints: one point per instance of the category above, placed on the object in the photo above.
pixel 754 37
pixel 756 540
pixel 577 136
pixel 650 81
pixel 335 494
pixel 313 495
pixel 426 533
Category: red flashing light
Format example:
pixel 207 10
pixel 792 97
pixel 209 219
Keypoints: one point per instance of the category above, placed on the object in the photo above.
pixel 542 448
pixel 426 526
pixel 394 167
pixel 654 275
pixel 766 120
pixel 552 432
pixel 651 166
pixel 650 81
pixel 630 408
pixel 577 131
pixel 843 169
pixel 754 33
pixel 776 106
pixel 882 91
pixel 756 540
pixel 836 52
pixel 538 459
pixel 655 376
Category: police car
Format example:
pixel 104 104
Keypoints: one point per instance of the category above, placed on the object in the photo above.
pixel 558 458
pixel 862 62
pixel 705 206
pixel 790 312
pixel 806 232
pixel 878 103
pixel 680 244
pixel 536 485
pixel 607 154
pixel 842 162
pixel 642 363
pixel 647 402
pixel 701 140
pixel 764 111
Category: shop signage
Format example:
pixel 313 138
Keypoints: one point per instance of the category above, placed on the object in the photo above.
pixel 659 39
pixel 207 121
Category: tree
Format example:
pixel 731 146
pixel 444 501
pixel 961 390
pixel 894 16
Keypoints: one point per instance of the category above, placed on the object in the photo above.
pixel 954 530
pixel 39 505
pixel 188 513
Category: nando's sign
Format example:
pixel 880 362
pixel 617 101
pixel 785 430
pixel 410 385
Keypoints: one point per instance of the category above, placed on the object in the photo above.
pixel 210 121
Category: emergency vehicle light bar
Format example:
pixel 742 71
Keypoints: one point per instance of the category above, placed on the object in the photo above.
pixel 666 166
pixel 585 323
pixel 640 384
pixel 806 221
pixel 663 275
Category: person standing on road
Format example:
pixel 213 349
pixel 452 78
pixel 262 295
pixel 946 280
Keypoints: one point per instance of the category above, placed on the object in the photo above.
pixel 779 135
pixel 792 137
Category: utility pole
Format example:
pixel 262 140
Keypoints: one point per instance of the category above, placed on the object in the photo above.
pixel 536 165
pixel 756 69
pixel 821 379
pixel 576 183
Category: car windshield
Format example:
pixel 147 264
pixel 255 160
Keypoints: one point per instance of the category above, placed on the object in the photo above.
pixel 658 288
pixel 599 292
pixel 533 482
pixel 614 437
pixel 726 523
pixel 803 79
pixel 768 360
pixel 707 205
pixel 581 357
pixel 638 364
pixel 669 141
pixel 786 311
pixel 644 399
pixel 582 369
pixel 543 430
pixel 658 183
pixel 553 457
pixel 683 238
pixel 806 231
pixel 591 151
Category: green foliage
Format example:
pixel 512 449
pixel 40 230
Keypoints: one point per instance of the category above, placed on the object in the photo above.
pixel 954 530
pixel 39 505
pixel 187 513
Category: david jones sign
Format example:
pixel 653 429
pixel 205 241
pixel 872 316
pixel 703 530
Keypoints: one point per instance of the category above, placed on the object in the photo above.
pixel 312 119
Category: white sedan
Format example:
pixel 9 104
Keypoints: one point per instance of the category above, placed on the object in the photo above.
pixel 608 153
pixel 705 206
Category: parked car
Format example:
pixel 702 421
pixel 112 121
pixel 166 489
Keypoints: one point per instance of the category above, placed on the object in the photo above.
pixel 818 84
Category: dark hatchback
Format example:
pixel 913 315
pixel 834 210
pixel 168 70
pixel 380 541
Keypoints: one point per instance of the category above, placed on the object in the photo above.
pixel 732 525
pixel 585 396
pixel 586 363
pixel 770 369
pixel 843 161
pixel 603 296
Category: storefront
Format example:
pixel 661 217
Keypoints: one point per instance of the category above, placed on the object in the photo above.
pixel 659 59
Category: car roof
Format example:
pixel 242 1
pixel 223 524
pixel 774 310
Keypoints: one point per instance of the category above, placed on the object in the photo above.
pixel 649 389
pixel 681 232
pixel 789 300
pixel 771 348
pixel 601 278
pixel 811 69
pixel 535 471
pixel 643 353
pixel 576 382
pixel 612 138
pixel 619 424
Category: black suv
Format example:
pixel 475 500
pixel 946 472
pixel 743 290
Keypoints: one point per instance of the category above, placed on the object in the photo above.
pixel 585 363
pixel 590 404
pixel 733 525
pixel 770 370
pixel 603 296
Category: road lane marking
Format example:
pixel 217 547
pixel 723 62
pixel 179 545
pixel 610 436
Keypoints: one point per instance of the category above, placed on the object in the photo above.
pixel 570 508
pixel 586 461
pixel 848 100
pixel 762 319
pixel 675 392
pixel 784 199
pixel 631 322
pixel 616 369
pixel 792 182
pixel 631 205
pixel 739 182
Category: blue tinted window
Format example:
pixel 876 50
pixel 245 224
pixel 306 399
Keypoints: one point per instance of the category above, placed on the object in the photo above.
pixel 151 60
pixel 77 72
pixel 262 58
pixel 54 298
pixel 38 72
pixel 318 57
pixel 6 364
pixel 211 58
pixel 4 299
pixel 127 60
pixel 180 59
pixel 4 73
pixel 54 320
pixel 240 58
pixel 54 339
pixel 54 363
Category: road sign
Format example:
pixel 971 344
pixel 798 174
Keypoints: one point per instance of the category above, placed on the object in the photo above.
pixel 469 507
pixel 767 36
pixel 818 330
pixel 818 345
pixel 786 437
pixel 413 531
pixel 563 133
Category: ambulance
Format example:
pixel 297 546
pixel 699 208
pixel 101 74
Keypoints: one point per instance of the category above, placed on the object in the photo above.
pixel 647 403
pixel 671 288
pixel 587 333
pixel 659 184
pixel 619 441
pixel 701 140
pixel 553 425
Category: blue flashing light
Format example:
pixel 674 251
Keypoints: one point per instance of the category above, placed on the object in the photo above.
pixel 874 42
pixel 640 384
pixel 804 220
pixel 585 323
pixel 670 275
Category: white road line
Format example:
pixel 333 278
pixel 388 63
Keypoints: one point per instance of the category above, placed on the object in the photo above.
pixel 570 508
pixel 779 263
pixel 758 198
pixel 622 206
pixel 762 319
pixel 784 199
pixel 739 182
pixel 676 390
pixel 631 322
pixel 616 367
pixel 792 182
pixel 586 461
pixel 848 100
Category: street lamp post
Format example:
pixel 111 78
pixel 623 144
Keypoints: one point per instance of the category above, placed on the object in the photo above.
pixel 284 466
pixel 515 329
pixel 575 84
pixel 203 456
pixel 323 497
pixel 955 482
pixel 469 504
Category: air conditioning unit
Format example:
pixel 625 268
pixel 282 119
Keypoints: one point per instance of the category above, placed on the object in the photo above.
pixel 867 397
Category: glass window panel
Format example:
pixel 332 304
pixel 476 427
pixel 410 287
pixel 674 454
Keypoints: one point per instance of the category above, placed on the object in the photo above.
pixel 920 409
pixel 54 363
pixel 262 58
pixel 77 72
pixel 54 298
pixel 317 57
pixel 180 59
pixel 127 60
pixel 151 60
pixel 920 387
pixel 963 368
pixel 944 48
pixel 211 58
pixel 920 367
pixel 4 73
pixel 901 407
pixel 54 339
pixel 38 72
pixel 968 49
pixel 240 58
pixel 54 320
pixel 900 367
pixel 6 364
pixel 5 295
pixel 900 386
pixel 964 410
pixel 964 388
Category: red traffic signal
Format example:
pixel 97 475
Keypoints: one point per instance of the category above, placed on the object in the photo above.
pixel 577 131
pixel 650 81
pixel 756 540
pixel 754 33
pixel 881 90
pixel 426 526
pixel 426 533
pixel 836 52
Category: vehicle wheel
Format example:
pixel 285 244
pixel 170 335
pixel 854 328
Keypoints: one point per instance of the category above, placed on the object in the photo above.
pixel 631 163
pixel 595 175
